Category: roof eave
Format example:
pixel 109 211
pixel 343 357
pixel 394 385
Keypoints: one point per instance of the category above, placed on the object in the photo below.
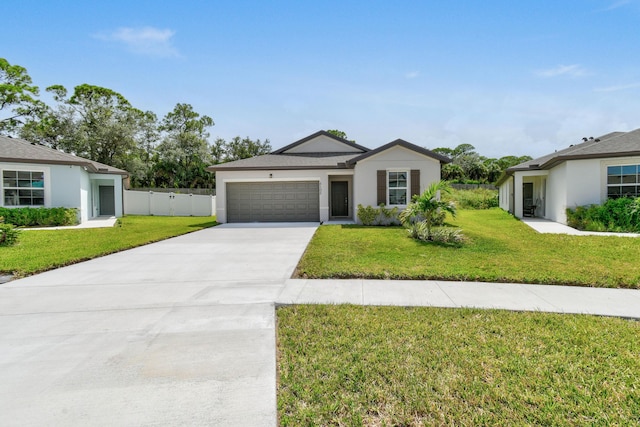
pixel 88 165
pixel 270 168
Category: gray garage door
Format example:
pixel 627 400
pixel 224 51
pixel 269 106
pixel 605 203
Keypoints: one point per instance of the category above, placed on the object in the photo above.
pixel 273 202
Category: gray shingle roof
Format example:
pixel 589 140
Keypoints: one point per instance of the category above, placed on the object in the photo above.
pixel 289 161
pixel 614 144
pixel 20 151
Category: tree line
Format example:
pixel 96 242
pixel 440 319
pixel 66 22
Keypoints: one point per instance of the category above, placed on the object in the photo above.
pixel 469 167
pixel 100 124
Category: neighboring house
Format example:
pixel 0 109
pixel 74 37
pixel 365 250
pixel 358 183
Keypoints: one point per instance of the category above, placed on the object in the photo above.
pixel 321 178
pixel 37 176
pixel 587 173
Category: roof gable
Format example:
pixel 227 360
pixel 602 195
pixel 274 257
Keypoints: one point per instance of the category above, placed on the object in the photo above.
pixel 322 142
pixel 18 150
pixel 404 144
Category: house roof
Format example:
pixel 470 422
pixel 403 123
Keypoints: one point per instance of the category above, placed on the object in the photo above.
pixel 613 144
pixel 405 144
pixel 348 144
pixel 281 159
pixel 18 150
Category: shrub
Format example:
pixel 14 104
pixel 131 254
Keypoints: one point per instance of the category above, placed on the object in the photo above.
pixel 368 215
pixel 8 234
pixel 32 217
pixel 478 198
pixel 619 215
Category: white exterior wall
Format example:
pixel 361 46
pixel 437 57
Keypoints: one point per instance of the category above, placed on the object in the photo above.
pixel 65 187
pixel 320 175
pixel 506 193
pixel 98 179
pixel 584 182
pixel 365 185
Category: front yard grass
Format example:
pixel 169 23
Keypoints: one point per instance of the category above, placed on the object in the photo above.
pixel 41 250
pixel 376 366
pixel 499 249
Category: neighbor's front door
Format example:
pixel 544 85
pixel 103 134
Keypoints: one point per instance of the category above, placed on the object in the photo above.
pixel 339 198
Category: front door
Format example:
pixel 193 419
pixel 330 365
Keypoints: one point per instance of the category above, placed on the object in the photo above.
pixel 527 199
pixel 339 198
pixel 107 200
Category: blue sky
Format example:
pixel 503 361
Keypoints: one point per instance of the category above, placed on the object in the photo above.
pixel 509 77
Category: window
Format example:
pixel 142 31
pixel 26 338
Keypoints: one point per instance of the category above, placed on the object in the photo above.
pixel 397 188
pixel 23 188
pixel 623 181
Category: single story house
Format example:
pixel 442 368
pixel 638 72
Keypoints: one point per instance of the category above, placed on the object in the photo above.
pixel 588 173
pixel 37 176
pixel 320 178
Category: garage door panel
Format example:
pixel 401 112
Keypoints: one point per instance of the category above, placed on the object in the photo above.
pixel 273 202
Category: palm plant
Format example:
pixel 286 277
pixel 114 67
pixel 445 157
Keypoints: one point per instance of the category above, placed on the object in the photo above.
pixel 426 209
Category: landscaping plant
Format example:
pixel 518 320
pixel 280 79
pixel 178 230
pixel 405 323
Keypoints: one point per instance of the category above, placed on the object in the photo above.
pixel 368 215
pixel 34 217
pixel 8 234
pixel 618 215
pixel 427 211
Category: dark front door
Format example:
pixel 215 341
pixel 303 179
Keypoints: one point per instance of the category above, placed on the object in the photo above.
pixel 339 198
pixel 527 199
pixel 107 200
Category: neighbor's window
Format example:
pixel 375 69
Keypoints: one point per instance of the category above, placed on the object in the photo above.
pixel 23 188
pixel 397 187
pixel 623 181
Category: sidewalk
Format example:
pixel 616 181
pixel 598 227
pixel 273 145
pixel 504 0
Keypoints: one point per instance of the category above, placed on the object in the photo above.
pixel 542 225
pixel 507 296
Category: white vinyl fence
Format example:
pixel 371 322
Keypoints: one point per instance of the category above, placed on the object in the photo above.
pixel 168 204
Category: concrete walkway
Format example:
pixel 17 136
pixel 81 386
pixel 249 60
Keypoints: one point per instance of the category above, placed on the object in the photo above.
pixel 182 332
pixel 546 226
pixel 98 222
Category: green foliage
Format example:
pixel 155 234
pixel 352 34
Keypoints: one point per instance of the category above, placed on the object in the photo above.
pixel 426 211
pixel 368 215
pixel 345 365
pixel 617 215
pixel 479 198
pixel 8 234
pixel 45 217
pixel 340 134
pixel 41 250
pixel 17 93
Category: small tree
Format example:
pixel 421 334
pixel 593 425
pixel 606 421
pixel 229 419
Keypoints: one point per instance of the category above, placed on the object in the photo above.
pixel 425 210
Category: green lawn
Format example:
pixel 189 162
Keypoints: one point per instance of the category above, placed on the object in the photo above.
pixel 376 366
pixel 40 250
pixel 499 248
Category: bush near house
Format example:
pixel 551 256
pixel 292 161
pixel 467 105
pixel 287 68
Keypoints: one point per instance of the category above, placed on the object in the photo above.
pixel 368 215
pixel 478 198
pixel 8 234
pixel 40 217
pixel 617 215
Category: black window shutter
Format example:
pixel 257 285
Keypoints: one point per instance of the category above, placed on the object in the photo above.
pixel 382 187
pixel 415 182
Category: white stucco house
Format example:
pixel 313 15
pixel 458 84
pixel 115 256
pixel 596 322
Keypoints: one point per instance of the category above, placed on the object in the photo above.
pixel 37 176
pixel 321 178
pixel 583 174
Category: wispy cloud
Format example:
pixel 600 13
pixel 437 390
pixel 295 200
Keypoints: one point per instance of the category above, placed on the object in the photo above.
pixel 615 5
pixel 617 88
pixel 145 41
pixel 574 70
pixel 412 74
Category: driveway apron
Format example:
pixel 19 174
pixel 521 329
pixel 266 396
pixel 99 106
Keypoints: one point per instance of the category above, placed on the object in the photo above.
pixel 180 332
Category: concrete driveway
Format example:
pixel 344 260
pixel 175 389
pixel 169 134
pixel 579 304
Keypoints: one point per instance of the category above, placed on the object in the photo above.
pixel 180 332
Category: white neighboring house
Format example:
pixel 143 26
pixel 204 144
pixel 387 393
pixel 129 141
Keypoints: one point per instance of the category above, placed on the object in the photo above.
pixel 37 176
pixel 583 174
pixel 321 178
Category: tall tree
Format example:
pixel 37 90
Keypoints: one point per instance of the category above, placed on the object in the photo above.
pixel 243 148
pixel 18 97
pixel 184 153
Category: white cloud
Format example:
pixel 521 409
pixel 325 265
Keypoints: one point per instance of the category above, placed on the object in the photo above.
pixel 146 40
pixel 573 70
pixel 617 88
pixel 412 74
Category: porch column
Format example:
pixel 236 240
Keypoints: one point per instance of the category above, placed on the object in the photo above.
pixel 517 195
